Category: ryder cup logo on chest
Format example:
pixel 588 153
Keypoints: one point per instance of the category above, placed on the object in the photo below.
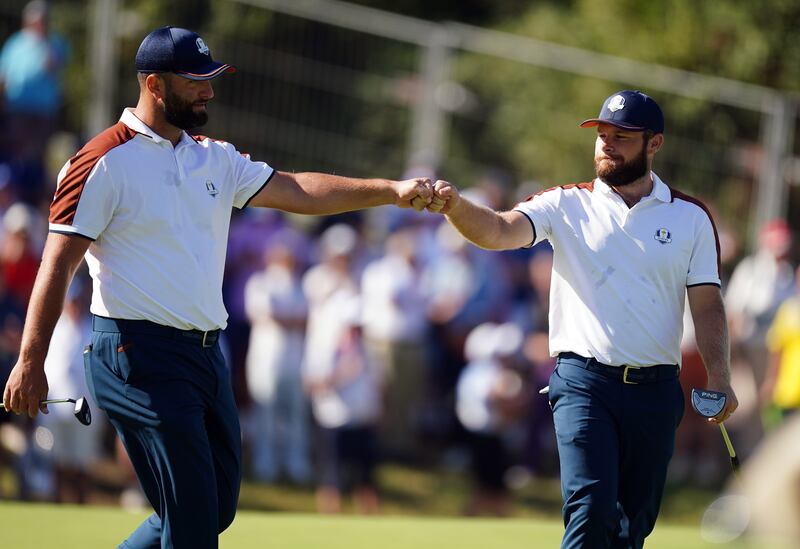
pixel 663 236
pixel 201 46
pixel 617 103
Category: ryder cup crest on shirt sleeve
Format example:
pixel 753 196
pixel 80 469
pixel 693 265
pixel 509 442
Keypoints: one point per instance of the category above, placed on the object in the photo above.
pixel 180 51
pixel 629 110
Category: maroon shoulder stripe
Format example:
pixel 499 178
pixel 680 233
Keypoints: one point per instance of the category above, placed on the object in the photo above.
pixel 588 186
pixel 698 203
pixel 200 138
pixel 68 193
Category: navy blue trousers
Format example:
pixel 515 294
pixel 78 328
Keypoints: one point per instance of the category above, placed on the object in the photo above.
pixel 170 400
pixel 614 442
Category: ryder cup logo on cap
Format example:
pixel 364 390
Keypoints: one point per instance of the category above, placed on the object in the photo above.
pixel 180 51
pixel 629 110
pixel 617 102
pixel 201 46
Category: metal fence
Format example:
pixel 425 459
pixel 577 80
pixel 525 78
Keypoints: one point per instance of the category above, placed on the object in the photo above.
pixel 325 85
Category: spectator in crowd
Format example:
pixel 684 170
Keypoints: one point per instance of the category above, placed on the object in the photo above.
pixel 466 286
pixel 325 286
pixel 781 386
pixel 531 313
pixel 758 285
pixel 251 231
pixel 347 405
pixel 75 447
pixel 395 326
pixel 19 258
pixel 451 280
pixel 8 194
pixel 12 315
pixel 31 63
pixel 278 310
pixel 491 399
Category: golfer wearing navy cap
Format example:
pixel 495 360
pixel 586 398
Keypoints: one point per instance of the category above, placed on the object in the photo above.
pixel 149 206
pixel 627 250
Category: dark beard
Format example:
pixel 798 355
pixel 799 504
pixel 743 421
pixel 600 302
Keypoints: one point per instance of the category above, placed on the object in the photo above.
pixel 180 114
pixel 627 173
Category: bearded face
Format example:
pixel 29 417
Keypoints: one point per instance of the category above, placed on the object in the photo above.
pixel 615 171
pixel 181 113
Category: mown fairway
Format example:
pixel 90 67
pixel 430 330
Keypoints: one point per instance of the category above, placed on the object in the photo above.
pixel 34 526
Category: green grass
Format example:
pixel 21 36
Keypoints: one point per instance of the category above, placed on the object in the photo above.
pixel 421 509
pixel 38 525
pixel 418 491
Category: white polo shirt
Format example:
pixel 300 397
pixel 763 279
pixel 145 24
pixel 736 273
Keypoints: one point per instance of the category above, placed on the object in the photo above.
pixel 158 217
pixel 620 274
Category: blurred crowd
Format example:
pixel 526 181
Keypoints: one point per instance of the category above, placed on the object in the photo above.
pixel 363 338
pixel 384 335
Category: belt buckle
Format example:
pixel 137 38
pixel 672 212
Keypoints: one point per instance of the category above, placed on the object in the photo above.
pixel 205 337
pixel 625 375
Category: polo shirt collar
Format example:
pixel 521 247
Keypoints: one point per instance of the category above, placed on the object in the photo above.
pixel 660 189
pixel 131 120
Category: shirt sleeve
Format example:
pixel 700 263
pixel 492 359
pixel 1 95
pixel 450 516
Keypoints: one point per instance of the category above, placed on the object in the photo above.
pixel 250 177
pixel 704 263
pixel 84 203
pixel 539 210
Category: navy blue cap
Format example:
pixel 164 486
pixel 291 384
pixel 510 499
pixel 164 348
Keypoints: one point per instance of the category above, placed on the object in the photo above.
pixel 172 49
pixel 629 110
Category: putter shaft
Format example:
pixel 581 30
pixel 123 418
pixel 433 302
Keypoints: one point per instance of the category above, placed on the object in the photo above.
pixel 54 401
pixel 731 451
pixel 82 411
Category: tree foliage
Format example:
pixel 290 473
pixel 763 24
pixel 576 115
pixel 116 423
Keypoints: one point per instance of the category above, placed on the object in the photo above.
pixel 527 118
pixel 522 119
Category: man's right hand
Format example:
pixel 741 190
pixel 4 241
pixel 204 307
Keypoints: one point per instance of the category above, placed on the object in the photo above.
pixel 413 193
pixel 27 384
pixel 445 197
pixel 25 389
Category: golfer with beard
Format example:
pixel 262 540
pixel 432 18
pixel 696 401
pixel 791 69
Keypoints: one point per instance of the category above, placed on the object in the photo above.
pixel 627 250
pixel 149 207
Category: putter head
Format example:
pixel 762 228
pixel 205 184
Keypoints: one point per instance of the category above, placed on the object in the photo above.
pixel 708 403
pixel 82 411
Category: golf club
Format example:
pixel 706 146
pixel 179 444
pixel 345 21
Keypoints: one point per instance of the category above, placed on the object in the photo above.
pixel 710 404
pixel 82 411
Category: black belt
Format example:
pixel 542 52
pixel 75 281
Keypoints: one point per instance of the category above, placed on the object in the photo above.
pixel 123 326
pixel 627 374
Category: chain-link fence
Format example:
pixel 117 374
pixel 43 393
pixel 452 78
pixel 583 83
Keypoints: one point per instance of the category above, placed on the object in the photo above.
pixel 328 86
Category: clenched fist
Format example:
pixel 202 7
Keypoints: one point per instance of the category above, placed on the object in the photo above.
pixel 445 197
pixel 414 193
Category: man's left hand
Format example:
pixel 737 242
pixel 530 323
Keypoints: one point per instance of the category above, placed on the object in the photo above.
pixel 731 402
